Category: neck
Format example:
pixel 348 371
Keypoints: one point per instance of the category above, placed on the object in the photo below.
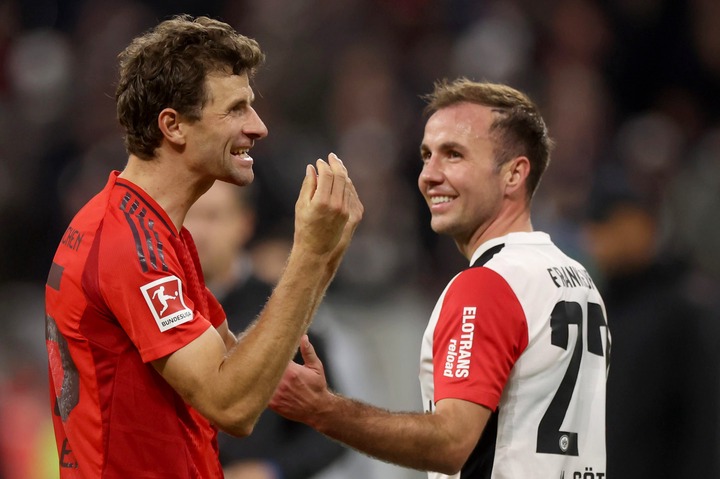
pixel 514 219
pixel 171 186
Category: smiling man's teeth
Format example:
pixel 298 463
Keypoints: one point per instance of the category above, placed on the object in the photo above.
pixel 242 151
pixel 436 200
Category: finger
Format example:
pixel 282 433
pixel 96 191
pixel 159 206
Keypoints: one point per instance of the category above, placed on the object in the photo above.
pixel 337 164
pixel 354 204
pixel 324 180
pixel 348 200
pixel 309 184
pixel 340 179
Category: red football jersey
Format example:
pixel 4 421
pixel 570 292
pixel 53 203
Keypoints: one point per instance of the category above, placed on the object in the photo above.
pixel 126 288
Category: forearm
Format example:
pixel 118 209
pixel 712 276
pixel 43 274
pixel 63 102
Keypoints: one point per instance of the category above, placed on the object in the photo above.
pixel 413 440
pixel 253 367
pixel 232 387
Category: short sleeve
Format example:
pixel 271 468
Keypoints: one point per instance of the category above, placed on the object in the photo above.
pixel 151 304
pixel 217 313
pixel 480 334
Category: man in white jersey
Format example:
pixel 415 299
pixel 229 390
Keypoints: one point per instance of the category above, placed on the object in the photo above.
pixel 514 360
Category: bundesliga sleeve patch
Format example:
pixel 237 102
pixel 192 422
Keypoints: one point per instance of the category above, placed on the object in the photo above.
pixel 165 299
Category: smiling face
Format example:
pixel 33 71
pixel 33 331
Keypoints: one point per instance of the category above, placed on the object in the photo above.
pixel 460 180
pixel 217 145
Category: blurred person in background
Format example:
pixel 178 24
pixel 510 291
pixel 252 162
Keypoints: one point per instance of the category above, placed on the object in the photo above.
pixel 662 404
pixel 142 365
pixel 588 74
pixel 222 222
pixel 510 389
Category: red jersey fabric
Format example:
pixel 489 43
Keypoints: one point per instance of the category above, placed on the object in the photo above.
pixel 126 288
pixel 483 336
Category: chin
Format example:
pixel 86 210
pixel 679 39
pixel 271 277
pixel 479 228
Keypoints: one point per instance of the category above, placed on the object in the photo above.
pixel 243 179
pixel 439 227
pixel 446 228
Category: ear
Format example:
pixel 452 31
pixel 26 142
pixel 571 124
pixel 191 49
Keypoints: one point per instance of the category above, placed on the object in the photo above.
pixel 516 173
pixel 170 124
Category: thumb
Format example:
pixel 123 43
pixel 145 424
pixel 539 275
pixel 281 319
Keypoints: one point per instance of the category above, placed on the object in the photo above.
pixel 310 357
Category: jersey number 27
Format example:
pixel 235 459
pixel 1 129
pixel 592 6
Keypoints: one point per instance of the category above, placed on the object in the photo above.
pixel 550 438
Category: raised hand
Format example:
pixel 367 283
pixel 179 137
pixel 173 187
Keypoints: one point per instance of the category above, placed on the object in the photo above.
pixel 327 210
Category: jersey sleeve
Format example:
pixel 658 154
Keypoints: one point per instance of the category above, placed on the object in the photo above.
pixel 217 313
pixel 151 303
pixel 481 332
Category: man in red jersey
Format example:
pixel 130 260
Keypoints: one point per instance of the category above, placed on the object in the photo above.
pixel 513 363
pixel 143 368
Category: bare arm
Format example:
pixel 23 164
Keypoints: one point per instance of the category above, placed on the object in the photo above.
pixel 231 388
pixel 226 335
pixel 441 441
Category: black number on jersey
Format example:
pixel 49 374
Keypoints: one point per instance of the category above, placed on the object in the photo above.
pixel 551 439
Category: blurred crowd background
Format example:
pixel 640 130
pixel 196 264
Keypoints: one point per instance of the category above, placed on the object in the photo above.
pixel 630 90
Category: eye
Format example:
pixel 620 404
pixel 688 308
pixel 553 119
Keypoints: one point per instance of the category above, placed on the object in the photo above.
pixel 454 154
pixel 238 108
pixel 425 156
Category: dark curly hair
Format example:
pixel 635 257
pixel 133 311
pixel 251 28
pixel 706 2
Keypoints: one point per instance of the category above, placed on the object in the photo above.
pixel 167 67
pixel 518 129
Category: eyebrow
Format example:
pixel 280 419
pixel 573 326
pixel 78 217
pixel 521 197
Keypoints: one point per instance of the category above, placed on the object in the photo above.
pixel 448 145
pixel 243 102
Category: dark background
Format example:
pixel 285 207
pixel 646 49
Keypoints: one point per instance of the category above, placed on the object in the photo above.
pixel 630 90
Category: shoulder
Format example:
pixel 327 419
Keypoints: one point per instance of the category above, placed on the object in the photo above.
pixel 525 256
pixel 479 285
pixel 134 211
pixel 478 277
pixel 135 230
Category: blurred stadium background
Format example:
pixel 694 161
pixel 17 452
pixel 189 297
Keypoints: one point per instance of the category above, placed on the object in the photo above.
pixel 630 90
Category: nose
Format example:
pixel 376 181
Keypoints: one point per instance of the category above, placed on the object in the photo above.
pixel 430 173
pixel 255 128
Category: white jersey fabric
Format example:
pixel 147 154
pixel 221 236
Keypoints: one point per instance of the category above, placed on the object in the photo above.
pixel 523 332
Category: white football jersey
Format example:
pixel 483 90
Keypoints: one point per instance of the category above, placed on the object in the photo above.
pixel 523 331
